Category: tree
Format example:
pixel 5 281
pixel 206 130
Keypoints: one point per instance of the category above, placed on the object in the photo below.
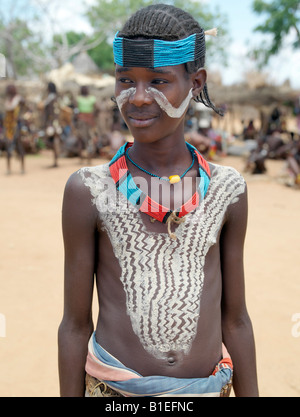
pixel 34 39
pixel 64 44
pixel 282 19
pixel 18 42
pixel 102 55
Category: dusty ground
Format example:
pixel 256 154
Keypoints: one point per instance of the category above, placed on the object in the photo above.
pixel 31 277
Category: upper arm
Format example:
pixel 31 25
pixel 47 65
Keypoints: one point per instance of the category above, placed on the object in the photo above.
pixel 79 220
pixel 232 260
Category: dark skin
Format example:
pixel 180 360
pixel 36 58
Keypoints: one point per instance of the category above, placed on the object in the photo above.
pixel 11 93
pixel 160 148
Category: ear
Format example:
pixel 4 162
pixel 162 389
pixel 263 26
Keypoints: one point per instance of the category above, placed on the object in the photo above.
pixel 199 80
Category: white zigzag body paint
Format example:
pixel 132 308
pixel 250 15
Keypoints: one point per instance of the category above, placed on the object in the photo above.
pixel 163 279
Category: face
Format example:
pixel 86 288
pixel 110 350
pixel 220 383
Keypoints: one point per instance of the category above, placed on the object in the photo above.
pixel 153 102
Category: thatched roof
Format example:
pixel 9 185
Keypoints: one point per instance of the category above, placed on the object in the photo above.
pixel 67 78
pixel 265 95
pixel 83 64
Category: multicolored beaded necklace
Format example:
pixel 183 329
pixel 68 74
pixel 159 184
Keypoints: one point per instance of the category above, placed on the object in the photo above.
pixel 172 179
pixel 126 185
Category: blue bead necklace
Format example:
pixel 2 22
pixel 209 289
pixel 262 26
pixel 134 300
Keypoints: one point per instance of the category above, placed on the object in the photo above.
pixel 172 179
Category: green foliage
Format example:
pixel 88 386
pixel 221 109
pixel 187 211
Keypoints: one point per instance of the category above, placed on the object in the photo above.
pixel 29 51
pixel 281 17
pixel 72 37
pixel 20 46
pixel 107 15
pixel 102 55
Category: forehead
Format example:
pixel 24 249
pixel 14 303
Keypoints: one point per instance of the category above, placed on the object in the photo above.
pixel 172 71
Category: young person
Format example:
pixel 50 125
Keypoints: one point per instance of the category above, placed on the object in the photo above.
pixel 163 232
pixel 51 123
pixel 88 111
pixel 14 108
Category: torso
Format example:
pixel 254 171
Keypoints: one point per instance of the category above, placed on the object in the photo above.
pixel 86 104
pixel 160 298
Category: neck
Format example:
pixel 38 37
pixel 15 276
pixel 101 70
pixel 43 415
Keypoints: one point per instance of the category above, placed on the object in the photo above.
pixel 161 155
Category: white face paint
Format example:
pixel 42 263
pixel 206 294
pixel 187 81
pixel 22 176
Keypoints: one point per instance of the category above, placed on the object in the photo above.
pixel 160 98
pixel 124 96
pixel 165 105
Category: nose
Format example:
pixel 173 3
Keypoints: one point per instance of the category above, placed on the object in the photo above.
pixel 140 96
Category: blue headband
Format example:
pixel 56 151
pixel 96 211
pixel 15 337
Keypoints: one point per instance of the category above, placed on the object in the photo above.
pixel 152 53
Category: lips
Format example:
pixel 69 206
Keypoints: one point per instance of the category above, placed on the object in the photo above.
pixel 141 119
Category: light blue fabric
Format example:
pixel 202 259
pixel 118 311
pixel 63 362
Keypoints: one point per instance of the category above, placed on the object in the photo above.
pixel 152 386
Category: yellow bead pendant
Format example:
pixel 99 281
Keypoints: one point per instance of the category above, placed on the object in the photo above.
pixel 174 179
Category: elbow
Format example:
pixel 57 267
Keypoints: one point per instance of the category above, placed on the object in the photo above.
pixel 237 332
pixel 236 323
pixel 70 328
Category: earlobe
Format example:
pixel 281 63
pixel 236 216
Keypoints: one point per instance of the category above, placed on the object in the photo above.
pixel 199 80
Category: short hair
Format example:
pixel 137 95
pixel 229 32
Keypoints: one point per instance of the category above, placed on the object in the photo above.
pixel 169 23
pixel 84 90
pixel 51 87
pixel 11 90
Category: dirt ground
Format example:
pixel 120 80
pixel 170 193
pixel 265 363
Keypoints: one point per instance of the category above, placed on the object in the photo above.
pixel 31 276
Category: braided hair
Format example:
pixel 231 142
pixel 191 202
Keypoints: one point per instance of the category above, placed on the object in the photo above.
pixel 169 23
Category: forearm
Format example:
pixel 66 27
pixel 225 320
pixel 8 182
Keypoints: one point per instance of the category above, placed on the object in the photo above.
pixel 239 340
pixel 72 352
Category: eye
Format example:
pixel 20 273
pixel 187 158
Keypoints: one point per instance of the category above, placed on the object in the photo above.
pixel 159 81
pixel 124 80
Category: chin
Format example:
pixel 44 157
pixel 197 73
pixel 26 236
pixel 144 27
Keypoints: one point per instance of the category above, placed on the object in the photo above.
pixel 144 138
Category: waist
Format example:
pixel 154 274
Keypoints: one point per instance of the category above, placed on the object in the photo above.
pixel 105 367
pixel 86 117
pixel 118 337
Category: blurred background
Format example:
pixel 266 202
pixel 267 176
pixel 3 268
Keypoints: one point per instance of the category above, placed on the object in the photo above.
pixel 53 50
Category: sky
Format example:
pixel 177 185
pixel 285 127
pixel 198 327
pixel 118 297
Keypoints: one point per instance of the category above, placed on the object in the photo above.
pixel 241 22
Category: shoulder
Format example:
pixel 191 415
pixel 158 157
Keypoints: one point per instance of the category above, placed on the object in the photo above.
pixel 227 187
pixel 98 171
pixel 229 195
pixel 87 181
pixel 225 171
pixel 227 175
pixel 95 178
pixel 80 195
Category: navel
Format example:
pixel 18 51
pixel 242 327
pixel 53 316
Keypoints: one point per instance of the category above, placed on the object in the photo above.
pixel 171 359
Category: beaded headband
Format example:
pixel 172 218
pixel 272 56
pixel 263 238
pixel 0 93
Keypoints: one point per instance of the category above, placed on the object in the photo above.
pixel 153 53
